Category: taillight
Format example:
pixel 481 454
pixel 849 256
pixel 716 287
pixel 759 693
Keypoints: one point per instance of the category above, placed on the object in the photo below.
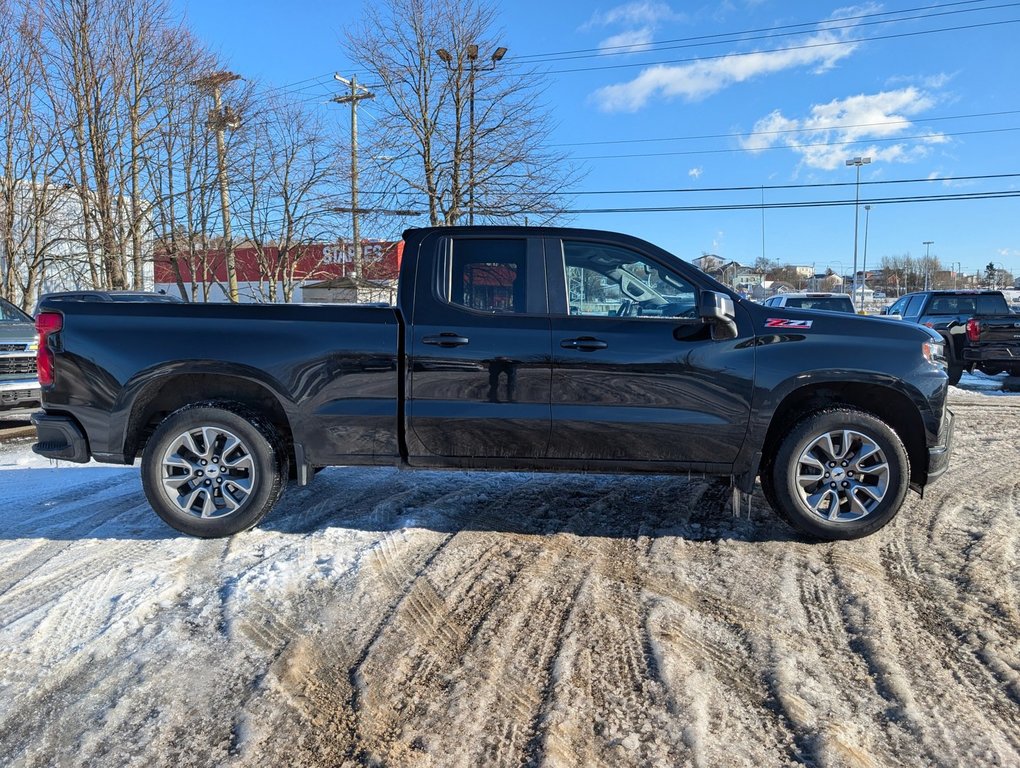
pixel 46 324
pixel 973 330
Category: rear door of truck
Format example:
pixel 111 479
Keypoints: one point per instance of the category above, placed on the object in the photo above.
pixel 478 385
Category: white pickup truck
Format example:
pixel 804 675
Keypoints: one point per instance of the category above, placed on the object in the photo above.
pixel 19 384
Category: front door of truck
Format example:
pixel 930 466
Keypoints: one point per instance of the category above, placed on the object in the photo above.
pixel 637 376
pixel 478 385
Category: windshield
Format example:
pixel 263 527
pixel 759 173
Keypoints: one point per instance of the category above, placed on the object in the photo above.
pixel 11 314
pixel 828 303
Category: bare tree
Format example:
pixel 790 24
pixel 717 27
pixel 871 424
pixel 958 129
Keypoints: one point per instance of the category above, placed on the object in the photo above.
pixel 426 140
pixel 30 195
pixel 290 172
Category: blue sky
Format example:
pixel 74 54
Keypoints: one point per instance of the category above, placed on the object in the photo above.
pixel 739 93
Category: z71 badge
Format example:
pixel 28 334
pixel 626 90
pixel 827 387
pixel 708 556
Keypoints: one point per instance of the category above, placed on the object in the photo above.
pixel 782 322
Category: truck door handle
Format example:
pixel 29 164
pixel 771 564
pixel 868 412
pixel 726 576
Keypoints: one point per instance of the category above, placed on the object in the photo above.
pixel 446 340
pixel 584 343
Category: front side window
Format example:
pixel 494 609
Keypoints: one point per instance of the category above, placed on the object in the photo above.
pixel 606 281
pixel 11 314
pixel 487 275
pixel 898 307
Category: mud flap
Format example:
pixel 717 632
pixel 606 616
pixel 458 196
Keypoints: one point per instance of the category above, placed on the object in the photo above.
pixel 740 497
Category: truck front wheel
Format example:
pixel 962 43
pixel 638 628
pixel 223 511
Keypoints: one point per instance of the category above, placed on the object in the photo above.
pixel 214 469
pixel 840 473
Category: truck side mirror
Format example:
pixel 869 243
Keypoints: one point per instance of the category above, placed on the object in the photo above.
pixel 717 308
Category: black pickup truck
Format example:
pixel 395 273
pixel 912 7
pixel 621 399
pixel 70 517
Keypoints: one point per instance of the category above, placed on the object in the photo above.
pixel 509 348
pixel 978 330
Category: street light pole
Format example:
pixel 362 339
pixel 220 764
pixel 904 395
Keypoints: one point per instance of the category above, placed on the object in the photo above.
pixel 864 267
pixel 858 162
pixel 471 53
pixel 927 249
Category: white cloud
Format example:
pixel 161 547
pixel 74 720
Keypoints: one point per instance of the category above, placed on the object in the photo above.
pixel 642 13
pixel 697 80
pixel 695 173
pixel 845 127
pixel 628 42
pixel 639 20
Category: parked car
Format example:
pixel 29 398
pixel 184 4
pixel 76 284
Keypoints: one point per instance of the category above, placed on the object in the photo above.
pixel 493 359
pixel 829 302
pixel 106 296
pixel 979 331
pixel 19 384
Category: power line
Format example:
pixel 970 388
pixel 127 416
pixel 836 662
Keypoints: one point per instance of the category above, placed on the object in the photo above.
pixel 885 140
pixel 781 131
pixel 742 35
pixel 820 185
pixel 993 195
pixel 806 46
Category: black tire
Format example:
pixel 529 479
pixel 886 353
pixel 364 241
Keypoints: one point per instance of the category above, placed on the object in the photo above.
pixel 223 501
pixel 857 502
pixel 955 372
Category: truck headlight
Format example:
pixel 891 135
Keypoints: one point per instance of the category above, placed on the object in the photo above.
pixel 934 352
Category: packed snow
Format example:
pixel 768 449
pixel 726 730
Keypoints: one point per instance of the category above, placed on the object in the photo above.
pixel 380 617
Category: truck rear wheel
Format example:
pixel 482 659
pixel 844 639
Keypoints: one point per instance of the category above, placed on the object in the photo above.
pixel 841 473
pixel 214 469
pixel 955 372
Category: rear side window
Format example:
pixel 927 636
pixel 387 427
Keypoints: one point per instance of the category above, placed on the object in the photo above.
pixel 487 275
pixel 914 306
pixel 992 305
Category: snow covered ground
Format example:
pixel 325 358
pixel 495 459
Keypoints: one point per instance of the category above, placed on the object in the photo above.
pixel 442 619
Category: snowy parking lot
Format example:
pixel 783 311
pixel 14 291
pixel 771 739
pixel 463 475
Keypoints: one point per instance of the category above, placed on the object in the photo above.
pixel 400 618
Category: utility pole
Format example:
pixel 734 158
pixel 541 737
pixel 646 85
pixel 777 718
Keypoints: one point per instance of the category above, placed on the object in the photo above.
pixel 927 249
pixel 358 92
pixel 221 118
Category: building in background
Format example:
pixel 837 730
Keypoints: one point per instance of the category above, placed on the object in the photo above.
pixel 313 272
pixel 49 244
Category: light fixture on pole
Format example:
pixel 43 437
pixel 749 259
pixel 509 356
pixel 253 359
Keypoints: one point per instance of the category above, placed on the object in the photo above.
pixel 927 249
pixel 471 54
pixel 858 162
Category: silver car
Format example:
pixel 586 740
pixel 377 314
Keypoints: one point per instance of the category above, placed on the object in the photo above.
pixel 19 384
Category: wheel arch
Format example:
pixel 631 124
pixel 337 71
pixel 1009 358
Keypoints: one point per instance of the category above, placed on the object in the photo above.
pixel 161 396
pixel 891 406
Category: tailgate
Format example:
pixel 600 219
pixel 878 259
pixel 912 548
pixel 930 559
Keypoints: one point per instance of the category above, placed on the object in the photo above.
pixel 999 330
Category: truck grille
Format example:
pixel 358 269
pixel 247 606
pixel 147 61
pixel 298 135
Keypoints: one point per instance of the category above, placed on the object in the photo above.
pixel 19 347
pixel 17 366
